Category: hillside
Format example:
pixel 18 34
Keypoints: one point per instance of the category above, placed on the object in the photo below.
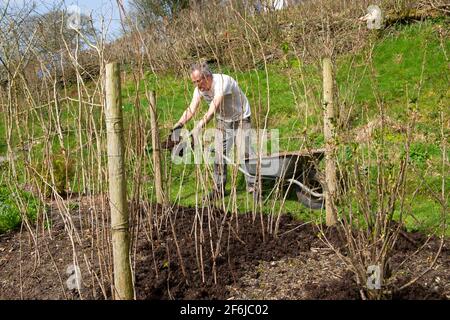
pixel 407 71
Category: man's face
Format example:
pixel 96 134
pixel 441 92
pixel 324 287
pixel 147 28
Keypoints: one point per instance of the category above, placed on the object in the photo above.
pixel 202 82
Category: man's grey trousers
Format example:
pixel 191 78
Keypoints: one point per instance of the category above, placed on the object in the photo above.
pixel 227 134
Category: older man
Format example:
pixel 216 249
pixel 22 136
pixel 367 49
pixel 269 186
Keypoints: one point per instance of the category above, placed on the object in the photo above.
pixel 232 111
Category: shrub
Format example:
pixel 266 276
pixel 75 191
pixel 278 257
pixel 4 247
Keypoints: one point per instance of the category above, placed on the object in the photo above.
pixel 10 213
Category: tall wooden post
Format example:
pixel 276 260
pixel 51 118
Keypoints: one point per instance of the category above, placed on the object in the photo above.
pixel 123 285
pixel 330 144
pixel 156 149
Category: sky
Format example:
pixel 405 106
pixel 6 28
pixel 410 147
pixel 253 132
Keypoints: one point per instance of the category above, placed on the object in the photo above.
pixel 98 8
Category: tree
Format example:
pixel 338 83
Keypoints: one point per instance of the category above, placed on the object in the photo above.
pixel 52 30
pixel 12 40
pixel 38 41
pixel 53 36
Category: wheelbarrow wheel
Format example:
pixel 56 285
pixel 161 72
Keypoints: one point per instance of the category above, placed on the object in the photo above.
pixel 305 198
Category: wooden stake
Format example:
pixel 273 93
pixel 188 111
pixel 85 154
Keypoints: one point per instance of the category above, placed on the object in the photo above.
pixel 123 285
pixel 329 133
pixel 156 149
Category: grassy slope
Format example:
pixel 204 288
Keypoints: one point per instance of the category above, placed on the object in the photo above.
pixel 408 58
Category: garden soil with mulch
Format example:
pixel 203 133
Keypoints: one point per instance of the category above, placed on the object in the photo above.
pixel 295 265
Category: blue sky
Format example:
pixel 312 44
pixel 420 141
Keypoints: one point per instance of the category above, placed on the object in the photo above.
pixel 98 8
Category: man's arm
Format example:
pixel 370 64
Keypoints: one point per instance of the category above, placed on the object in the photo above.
pixel 189 112
pixel 209 114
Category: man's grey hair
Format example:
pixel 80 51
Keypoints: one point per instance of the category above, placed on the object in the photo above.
pixel 203 68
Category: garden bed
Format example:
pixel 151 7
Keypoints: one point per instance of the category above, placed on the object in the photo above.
pixel 294 265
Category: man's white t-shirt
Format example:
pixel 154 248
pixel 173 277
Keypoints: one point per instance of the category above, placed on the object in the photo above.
pixel 235 104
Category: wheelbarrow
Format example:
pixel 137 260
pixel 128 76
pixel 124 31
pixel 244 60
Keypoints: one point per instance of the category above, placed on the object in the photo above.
pixel 297 168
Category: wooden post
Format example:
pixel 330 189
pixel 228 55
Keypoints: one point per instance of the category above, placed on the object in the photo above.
pixel 329 133
pixel 156 149
pixel 123 285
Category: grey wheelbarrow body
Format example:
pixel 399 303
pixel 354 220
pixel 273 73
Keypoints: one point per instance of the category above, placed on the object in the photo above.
pixel 296 168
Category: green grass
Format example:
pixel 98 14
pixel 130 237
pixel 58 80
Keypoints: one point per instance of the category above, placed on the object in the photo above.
pixel 10 213
pixel 409 66
pixel 425 216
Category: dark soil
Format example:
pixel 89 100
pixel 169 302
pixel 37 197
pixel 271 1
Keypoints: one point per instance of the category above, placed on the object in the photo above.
pixel 294 265
pixel 235 258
